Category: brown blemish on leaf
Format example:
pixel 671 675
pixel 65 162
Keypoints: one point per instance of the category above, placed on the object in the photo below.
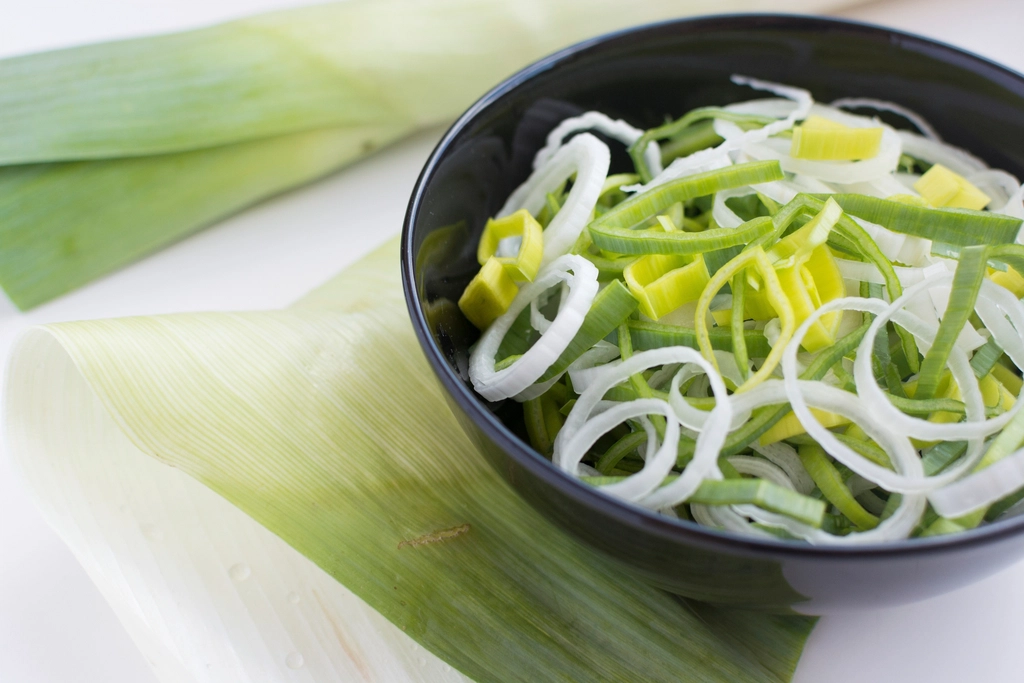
pixel 435 536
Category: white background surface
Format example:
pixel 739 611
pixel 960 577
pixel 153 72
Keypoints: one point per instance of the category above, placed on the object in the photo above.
pixel 55 626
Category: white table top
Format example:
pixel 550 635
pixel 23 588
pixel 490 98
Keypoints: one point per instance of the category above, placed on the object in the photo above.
pixel 55 626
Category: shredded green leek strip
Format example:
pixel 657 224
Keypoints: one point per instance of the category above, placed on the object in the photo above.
pixel 764 494
pixel 833 487
pixel 652 335
pixel 757 259
pixel 612 231
pixel 970 272
pixel 674 128
pixel 961 227
pixel 868 449
pixel 536 426
pixel 627 241
pixel 611 307
pixel 693 139
pixel 739 338
pixel 627 444
pixel 638 381
pixel 921 406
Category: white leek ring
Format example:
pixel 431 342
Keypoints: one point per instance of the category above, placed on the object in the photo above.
pixel 588 159
pixel 617 129
pixel 581 276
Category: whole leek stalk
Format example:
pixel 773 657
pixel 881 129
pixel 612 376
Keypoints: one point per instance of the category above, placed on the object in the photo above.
pixel 324 423
pixel 273 101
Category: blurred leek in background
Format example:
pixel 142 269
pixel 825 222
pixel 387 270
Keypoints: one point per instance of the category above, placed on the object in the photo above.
pixel 110 151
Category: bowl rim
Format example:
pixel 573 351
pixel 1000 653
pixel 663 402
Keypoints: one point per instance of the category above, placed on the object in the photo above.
pixel 647 521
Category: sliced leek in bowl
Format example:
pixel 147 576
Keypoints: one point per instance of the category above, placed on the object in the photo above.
pixel 819 375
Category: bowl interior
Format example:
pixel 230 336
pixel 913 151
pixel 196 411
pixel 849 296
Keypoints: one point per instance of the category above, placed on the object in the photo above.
pixel 646 76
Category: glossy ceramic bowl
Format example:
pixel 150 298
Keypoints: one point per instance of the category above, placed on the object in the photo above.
pixel 644 75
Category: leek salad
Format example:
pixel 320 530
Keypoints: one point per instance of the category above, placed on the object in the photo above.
pixel 786 319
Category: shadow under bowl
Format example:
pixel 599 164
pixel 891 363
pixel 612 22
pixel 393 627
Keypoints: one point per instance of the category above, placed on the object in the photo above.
pixel 644 75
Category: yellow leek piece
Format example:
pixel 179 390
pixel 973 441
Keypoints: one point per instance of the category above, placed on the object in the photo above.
pixel 798 245
pixel 722 318
pixel 1010 381
pixel 942 187
pixel 790 425
pixel 820 139
pixel 488 294
pixel 807 287
pixel 664 282
pixel 751 258
pixel 1011 280
pixel 809 276
pixel 525 264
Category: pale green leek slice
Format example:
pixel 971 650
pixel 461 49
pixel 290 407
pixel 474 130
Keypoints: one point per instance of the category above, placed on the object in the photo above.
pixel 824 140
pixel 281 413
pixel 867 248
pixel 809 276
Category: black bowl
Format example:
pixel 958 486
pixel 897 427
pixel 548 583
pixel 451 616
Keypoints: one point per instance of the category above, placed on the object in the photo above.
pixel 644 75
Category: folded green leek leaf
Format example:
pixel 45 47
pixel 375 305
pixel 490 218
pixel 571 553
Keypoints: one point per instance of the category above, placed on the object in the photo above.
pixel 335 81
pixel 325 425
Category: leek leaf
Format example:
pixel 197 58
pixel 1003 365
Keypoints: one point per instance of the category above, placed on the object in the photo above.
pixel 281 414
pixel 65 224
